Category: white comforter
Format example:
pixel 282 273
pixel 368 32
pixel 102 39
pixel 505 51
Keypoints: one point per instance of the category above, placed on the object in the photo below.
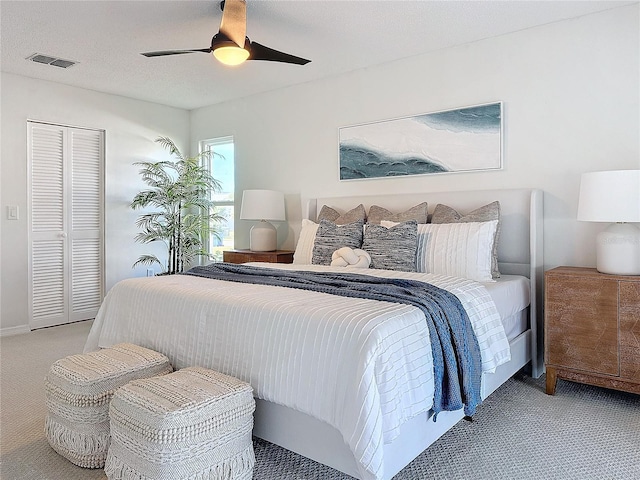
pixel 363 366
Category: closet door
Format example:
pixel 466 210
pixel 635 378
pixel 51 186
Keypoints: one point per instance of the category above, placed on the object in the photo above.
pixel 65 212
pixel 48 230
pixel 85 226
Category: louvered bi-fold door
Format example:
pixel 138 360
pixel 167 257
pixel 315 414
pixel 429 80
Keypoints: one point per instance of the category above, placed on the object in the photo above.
pixel 66 254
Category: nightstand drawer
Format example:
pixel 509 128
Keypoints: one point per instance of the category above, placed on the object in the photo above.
pixel 244 256
pixel 630 330
pixel 582 323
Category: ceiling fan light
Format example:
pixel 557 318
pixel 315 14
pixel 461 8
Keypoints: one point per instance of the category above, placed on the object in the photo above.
pixel 231 55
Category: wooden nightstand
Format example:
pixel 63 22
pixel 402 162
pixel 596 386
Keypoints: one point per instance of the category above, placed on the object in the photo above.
pixel 592 328
pixel 243 256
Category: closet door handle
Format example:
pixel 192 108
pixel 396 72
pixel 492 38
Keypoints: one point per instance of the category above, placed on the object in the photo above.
pixel 62 235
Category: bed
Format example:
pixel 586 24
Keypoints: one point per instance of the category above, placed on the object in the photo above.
pixel 300 404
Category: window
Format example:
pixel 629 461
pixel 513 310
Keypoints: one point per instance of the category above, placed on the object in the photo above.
pixel 222 166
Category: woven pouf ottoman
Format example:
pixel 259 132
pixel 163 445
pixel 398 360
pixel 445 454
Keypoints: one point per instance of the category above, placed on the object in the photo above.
pixel 78 389
pixel 191 424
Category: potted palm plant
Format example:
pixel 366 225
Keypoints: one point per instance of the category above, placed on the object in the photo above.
pixel 180 192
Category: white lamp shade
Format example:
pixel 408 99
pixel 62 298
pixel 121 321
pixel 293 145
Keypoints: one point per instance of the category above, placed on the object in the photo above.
pixel 611 196
pixel 262 205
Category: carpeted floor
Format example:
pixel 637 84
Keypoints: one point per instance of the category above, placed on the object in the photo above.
pixel 518 433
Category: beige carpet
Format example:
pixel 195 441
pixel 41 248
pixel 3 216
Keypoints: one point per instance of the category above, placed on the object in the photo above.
pixel 519 433
pixel 24 361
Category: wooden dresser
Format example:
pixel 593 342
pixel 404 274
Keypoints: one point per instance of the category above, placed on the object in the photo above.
pixel 592 328
pixel 243 256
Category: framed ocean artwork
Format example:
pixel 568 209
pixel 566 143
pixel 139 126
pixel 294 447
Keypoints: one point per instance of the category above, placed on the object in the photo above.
pixel 459 140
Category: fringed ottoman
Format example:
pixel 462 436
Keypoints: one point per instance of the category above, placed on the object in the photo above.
pixel 193 424
pixel 78 389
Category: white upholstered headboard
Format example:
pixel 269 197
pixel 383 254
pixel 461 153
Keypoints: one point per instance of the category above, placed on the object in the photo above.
pixel 520 248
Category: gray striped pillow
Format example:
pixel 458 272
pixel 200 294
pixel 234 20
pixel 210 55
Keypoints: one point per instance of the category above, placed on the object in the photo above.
pixel 330 237
pixel 392 248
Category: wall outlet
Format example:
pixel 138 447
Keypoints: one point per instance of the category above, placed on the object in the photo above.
pixel 150 272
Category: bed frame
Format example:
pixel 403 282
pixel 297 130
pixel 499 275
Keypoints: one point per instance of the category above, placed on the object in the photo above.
pixel 519 253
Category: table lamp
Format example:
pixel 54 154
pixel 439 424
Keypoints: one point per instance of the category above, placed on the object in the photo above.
pixel 263 205
pixel 613 196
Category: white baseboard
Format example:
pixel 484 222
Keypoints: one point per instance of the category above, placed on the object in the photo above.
pixel 5 332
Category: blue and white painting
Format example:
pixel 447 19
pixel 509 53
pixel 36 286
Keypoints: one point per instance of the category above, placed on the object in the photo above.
pixel 460 140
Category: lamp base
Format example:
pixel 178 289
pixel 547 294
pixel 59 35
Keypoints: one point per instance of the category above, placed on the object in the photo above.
pixel 618 250
pixel 263 237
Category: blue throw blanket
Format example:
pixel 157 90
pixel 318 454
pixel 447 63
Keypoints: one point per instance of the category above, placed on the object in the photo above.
pixel 456 353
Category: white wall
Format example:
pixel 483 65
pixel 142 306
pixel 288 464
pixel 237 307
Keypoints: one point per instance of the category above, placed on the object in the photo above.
pixel 131 127
pixel 570 93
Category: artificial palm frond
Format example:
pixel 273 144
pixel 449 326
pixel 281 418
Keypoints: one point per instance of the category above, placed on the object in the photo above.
pixel 167 143
pixel 147 260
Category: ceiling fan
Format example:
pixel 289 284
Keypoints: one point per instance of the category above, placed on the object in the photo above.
pixel 230 45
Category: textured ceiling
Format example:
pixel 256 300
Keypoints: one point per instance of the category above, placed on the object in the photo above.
pixel 107 37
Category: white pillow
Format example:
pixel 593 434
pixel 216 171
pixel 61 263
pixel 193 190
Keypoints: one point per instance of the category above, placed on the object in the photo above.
pixel 304 247
pixel 456 249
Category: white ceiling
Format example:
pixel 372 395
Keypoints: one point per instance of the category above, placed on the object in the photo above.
pixel 107 37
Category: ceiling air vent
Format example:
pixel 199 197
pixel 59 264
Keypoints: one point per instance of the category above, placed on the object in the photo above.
pixel 48 60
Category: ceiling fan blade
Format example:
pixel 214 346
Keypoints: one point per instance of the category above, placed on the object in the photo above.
pixel 234 21
pixel 260 52
pixel 174 52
